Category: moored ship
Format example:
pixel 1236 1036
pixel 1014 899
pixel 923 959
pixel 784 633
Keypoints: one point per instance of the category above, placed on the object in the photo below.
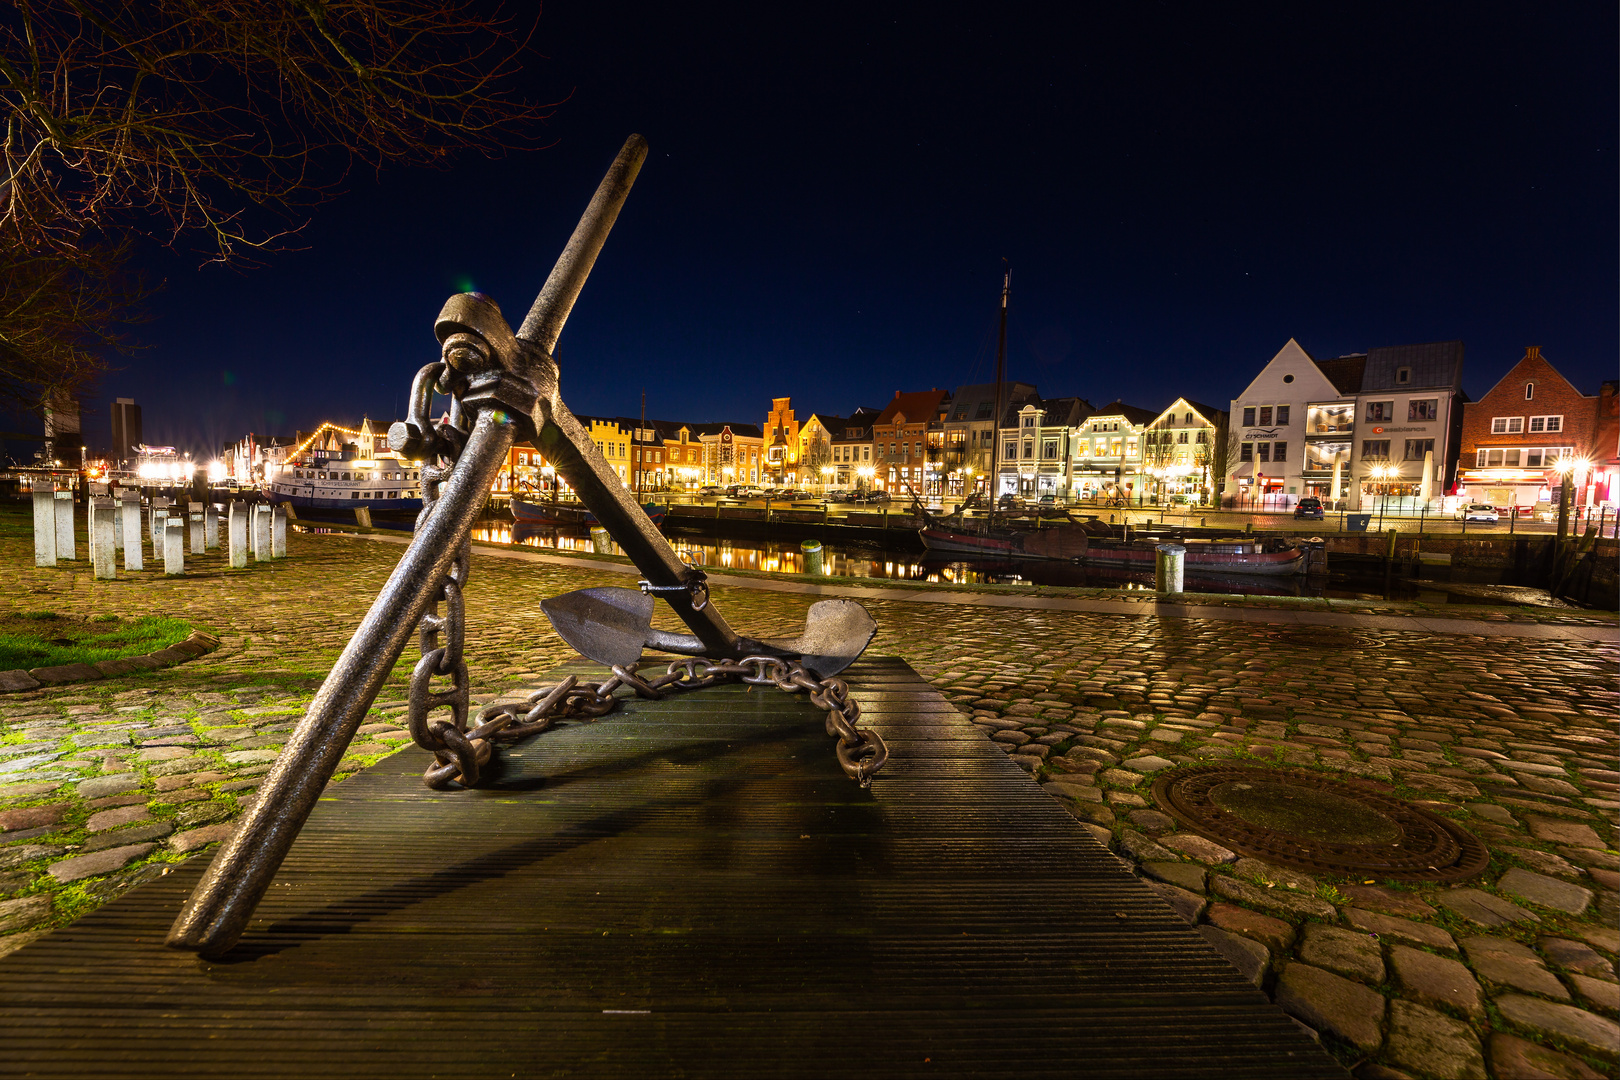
pixel 325 480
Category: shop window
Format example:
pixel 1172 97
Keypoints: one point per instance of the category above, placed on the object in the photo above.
pixel 1425 409
pixel 1510 458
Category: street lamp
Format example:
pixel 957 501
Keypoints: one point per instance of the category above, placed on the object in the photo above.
pixel 1570 469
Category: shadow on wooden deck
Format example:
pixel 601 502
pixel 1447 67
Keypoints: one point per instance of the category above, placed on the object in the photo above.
pixel 684 888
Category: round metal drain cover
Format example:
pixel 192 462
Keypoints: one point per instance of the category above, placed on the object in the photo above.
pixel 1324 638
pixel 1303 819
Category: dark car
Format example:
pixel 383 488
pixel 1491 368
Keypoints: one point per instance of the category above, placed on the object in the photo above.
pixel 1309 507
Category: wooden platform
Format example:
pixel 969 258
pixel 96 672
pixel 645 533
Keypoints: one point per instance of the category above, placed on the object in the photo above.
pixel 684 888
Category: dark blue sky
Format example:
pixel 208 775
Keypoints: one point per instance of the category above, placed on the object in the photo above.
pixel 830 193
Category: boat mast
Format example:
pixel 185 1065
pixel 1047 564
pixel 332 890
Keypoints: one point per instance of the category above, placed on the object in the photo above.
pixel 635 443
pixel 992 481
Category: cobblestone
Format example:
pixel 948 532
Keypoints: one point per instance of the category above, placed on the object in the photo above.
pixel 1456 723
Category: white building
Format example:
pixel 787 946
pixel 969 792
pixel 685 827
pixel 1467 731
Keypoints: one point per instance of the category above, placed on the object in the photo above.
pixel 1409 413
pixel 1277 452
pixel 1180 447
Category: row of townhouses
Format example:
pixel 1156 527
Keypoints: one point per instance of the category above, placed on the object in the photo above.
pixel 1391 424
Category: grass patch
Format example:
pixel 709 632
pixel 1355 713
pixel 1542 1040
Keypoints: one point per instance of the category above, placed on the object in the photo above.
pixel 48 639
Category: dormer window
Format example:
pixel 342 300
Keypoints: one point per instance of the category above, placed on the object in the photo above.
pixel 1403 375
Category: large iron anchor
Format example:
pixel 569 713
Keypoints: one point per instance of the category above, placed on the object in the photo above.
pixel 504 387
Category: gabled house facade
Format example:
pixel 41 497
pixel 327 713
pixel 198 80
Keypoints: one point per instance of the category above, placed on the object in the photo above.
pixel 852 450
pixel 1267 452
pixel 1180 448
pixel 1516 435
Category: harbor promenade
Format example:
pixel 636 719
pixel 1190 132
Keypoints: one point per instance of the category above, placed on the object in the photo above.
pixel 1500 719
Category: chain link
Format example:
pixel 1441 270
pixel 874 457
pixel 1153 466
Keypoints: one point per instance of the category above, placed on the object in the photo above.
pixel 460 753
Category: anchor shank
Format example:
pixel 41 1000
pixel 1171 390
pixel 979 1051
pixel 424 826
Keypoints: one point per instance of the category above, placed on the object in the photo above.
pixel 544 323
pixel 218 910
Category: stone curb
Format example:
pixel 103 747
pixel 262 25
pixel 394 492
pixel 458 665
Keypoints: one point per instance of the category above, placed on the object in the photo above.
pixel 198 644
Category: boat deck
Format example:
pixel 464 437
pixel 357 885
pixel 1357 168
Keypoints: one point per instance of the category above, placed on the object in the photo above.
pixel 684 888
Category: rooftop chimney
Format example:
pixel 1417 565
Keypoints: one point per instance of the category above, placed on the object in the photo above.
pixel 1532 352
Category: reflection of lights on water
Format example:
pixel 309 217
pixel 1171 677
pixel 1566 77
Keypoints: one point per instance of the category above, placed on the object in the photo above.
pixel 788 558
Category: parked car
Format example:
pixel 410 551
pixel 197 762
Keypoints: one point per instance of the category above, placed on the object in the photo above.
pixel 1009 502
pixel 709 489
pixel 839 496
pixel 876 497
pixel 1481 512
pixel 1309 507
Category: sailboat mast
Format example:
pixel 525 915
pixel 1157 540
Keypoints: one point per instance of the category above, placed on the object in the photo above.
pixel 638 464
pixel 993 480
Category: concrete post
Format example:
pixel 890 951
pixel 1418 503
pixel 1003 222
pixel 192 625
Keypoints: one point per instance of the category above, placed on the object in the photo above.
pixel 237 527
pixel 211 527
pixel 132 531
pixel 158 518
pixel 103 552
pixel 65 548
pixel 194 516
pixel 362 516
pixel 278 531
pixel 261 532
pixel 1169 561
pixel 44 527
pixel 601 542
pixel 174 545
pixel 118 519
pixel 160 505
pixel 812 556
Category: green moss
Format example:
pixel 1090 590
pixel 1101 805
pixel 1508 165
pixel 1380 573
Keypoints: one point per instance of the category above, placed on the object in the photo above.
pixel 46 639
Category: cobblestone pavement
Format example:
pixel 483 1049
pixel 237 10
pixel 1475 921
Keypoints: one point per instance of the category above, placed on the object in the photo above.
pixel 106 784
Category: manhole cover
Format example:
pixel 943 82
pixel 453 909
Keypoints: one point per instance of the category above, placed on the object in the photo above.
pixel 1313 822
pixel 1325 638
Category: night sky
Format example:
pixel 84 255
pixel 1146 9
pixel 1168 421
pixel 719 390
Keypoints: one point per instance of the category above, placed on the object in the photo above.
pixel 831 192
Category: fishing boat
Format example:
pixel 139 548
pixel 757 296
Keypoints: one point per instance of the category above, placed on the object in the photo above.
pixel 560 515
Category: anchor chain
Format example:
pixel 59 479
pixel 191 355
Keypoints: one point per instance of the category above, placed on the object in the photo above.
pixel 461 753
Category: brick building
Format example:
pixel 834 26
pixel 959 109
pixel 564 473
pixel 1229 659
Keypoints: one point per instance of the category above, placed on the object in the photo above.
pixel 908 441
pixel 1513 436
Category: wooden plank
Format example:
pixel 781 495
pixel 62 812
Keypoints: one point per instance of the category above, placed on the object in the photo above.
pixel 688 887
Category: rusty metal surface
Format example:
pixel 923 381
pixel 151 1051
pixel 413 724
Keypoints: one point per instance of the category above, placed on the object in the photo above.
pixel 501 386
pixel 1412 844
pixel 686 887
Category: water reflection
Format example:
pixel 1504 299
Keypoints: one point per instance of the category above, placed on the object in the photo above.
pixel 785 557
